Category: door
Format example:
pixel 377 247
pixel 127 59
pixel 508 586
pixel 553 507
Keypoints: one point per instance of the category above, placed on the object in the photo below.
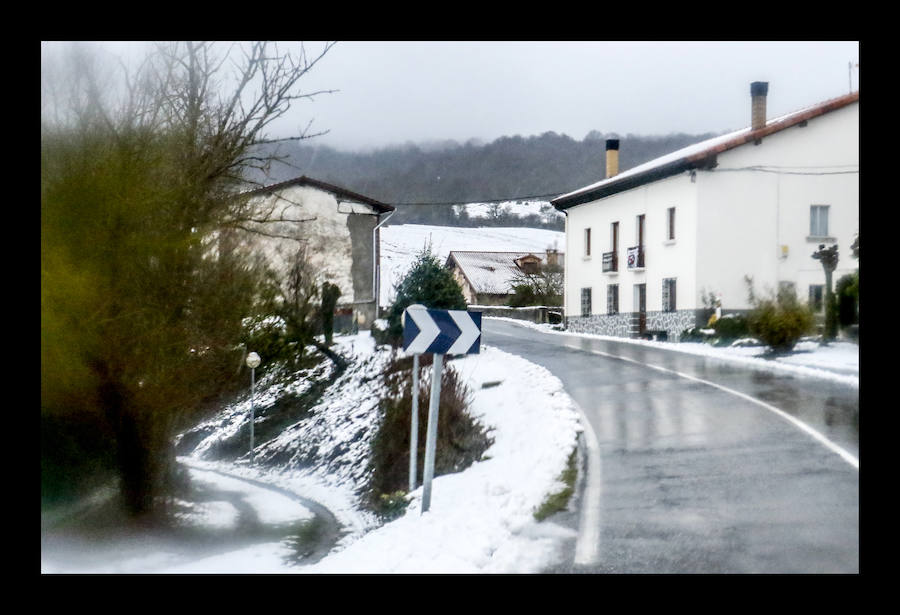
pixel 640 303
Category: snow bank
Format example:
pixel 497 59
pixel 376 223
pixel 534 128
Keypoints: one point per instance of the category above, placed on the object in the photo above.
pixel 481 519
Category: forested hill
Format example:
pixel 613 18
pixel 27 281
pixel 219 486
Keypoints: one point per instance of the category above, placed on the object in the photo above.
pixel 446 173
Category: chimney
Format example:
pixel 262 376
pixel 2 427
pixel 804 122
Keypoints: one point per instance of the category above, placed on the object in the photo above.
pixel 758 91
pixel 612 157
pixel 552 257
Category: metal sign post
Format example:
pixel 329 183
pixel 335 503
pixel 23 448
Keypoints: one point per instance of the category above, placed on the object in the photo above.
pixel 414 425
pixel 431 438
pixel 439 332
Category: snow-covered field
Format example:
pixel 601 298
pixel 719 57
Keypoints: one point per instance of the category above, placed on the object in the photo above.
pixel 401 244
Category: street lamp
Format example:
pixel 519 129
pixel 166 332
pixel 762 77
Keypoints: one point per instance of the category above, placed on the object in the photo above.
pixel 252 363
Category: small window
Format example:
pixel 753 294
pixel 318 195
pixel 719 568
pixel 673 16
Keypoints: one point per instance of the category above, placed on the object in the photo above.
pixel 585 302
pixel 818 221
pixel 670 226
pixel 816 293
pixel 612 299
pixel 668 295
pixel 639 227
pixel 587 242
pixel 614 237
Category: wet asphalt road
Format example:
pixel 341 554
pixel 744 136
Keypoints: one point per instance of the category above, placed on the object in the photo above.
pixel 687 477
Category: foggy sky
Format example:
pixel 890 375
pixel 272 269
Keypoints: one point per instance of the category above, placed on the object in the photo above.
pixel 397 92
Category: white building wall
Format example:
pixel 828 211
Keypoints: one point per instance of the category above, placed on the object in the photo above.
pixel 339 249
pixel 756 222
pixel 324 233
pixel 663 258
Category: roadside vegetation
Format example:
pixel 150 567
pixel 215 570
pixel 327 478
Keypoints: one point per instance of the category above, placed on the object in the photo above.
pixel 558 501
pixel 145 286
pixel 461 439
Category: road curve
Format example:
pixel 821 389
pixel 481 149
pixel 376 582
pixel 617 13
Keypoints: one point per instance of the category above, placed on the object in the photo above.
pixel 700 465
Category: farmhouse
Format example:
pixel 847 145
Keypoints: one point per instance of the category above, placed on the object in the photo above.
pixel 336 230
pixel 645 247
pixel 487 278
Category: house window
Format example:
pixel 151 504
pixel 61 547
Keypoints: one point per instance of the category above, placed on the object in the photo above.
pixel 670 226
pixel 585 302
pixel 614 237
pixel 640 230
pixel 818 221
pixel 612 299
pixel 816 293
pixel 587 242
pixel 668 295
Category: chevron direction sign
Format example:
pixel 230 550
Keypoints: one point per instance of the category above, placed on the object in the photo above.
pixel 441 331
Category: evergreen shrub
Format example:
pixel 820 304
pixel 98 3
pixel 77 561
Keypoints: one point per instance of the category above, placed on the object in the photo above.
pixel 779 321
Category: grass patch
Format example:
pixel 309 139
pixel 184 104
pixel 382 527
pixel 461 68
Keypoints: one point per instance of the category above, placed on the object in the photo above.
pixel 556 502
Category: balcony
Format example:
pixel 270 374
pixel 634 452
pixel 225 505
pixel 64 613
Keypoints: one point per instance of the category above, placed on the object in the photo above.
pixel 636 257
pixel 610 262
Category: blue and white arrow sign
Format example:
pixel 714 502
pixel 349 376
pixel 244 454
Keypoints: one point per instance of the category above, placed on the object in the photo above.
pixel 441 331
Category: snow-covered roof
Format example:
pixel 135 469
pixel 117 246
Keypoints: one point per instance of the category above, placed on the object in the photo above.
pixel 338 191
pixel 491 272
pixel 697 156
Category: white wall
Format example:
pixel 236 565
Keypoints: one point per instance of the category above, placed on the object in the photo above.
pixel 746 216
pixel 324 231
pixel 663 259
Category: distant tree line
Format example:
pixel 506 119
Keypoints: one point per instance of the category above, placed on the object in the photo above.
pixel 441 174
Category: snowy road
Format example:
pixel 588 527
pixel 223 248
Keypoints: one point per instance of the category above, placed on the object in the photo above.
pixel 706 467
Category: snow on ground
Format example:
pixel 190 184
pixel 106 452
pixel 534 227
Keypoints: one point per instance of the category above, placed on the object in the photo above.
pixel 542 209
pixel 400 244
pixel 838 361
pixel 480 520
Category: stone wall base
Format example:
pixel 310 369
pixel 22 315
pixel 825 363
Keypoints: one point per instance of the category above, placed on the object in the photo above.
pixel 625 324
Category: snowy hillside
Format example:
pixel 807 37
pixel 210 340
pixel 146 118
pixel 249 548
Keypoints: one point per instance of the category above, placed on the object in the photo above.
pixel 480 520
pixel 400 244
pixel 542 209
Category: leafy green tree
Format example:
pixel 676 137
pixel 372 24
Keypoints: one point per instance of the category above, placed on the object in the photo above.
pixel 428 283
pixel 143 286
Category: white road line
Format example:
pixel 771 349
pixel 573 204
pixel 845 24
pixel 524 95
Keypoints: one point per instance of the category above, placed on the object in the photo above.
pixel 845 455
pixel 587 547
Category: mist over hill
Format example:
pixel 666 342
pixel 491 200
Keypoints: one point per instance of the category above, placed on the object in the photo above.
pixel 425 180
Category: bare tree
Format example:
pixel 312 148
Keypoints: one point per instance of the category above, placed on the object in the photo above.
pixel 140 311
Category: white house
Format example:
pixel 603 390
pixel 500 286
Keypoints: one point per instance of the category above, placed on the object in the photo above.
pixel 645 246
pixel 339 231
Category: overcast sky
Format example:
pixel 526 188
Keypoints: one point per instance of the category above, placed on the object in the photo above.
pixel 395 92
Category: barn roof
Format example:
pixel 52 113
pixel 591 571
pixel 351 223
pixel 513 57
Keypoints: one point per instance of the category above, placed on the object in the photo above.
pixel 491 272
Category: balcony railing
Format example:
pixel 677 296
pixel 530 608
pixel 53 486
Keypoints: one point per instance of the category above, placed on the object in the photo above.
pixel 610 261
pixel 636 257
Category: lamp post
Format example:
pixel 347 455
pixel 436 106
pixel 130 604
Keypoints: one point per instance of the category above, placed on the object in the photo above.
pixel 252 363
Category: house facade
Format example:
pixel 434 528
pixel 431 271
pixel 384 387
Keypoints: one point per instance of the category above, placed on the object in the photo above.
pixel 338 230
pixel 487 278
pixel 646 247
